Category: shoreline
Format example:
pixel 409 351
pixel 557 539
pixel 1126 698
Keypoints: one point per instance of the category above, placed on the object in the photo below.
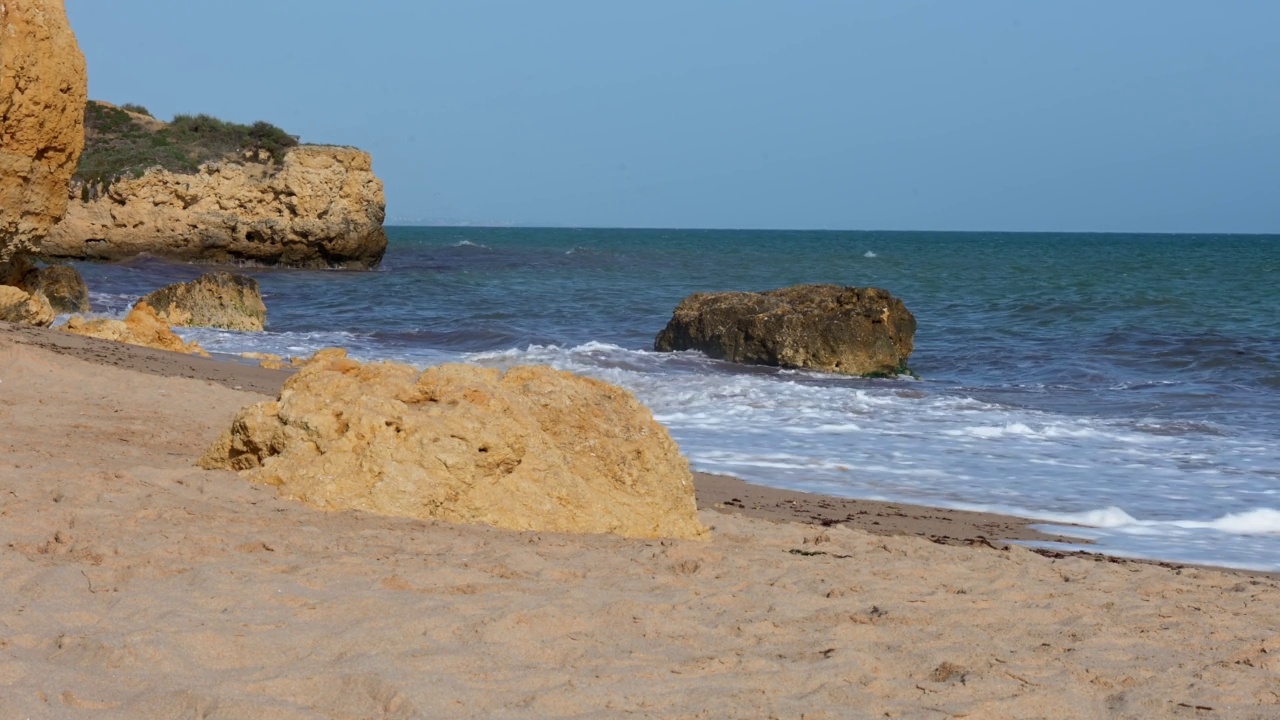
pixel 142 586
pixel 725 494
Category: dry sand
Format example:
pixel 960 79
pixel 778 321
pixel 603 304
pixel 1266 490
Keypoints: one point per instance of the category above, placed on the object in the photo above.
pixel 133 585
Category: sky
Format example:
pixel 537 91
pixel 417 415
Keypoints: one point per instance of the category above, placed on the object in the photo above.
pixel 1134 116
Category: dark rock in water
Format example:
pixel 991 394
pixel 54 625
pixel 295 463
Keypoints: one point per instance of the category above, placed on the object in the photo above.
pixel 853 331
pixel 60 284
pixel 217 299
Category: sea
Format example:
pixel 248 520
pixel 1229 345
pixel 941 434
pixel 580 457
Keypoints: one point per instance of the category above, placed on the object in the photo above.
pixel 1122 389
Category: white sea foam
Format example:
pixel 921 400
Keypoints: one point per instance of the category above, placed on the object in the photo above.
pixel 1051 431
pixel 1111 517
pixel 113 305
pixel 468 243
pixel 286 344
pixel 1249 539
pixel 1260 521
pixel 868 254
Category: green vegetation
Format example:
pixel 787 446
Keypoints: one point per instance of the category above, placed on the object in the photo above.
pixel 118 145
pixel 136 109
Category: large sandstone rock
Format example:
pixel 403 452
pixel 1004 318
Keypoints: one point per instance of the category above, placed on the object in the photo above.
pixel 529 449
pixel 323 207
pixel 217 299
pixel 140 327
pixel 60 284
pixel 822 327
pixel 42 98
pixel 19 306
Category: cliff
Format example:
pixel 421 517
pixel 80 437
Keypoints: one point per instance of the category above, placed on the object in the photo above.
pixel 42 99
pixel 252 199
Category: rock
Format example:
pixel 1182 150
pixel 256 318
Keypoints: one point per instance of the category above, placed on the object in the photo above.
pixel 19 306
pixel 60 284
pixel 42 100
pixel 64 287
pixel 321 208
pixel 217 299
pixel 140 327
pixel 830 328
pixel 266 360
pixel 529 449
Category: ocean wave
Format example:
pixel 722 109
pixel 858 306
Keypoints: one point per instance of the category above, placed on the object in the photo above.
pixel 112 305
pixel 1076 430
pixel 1258 521
pixel 286 344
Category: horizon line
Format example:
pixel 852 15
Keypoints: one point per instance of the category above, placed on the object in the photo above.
pixel 461 225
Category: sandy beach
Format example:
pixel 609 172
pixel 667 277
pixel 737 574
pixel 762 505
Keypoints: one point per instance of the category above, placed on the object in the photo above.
pixel 135 585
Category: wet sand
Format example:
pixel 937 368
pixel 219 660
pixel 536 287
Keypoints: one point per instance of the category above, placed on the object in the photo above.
pixel 133 584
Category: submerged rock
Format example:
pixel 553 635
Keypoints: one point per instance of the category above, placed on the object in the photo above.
pixel 42 100
pixel 854 331
pixel 217 299
pixel 19 306
pixel 531 448
pixel 140 327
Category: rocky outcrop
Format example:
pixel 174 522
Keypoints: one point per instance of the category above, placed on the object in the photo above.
pixel 531 448
pixel 60 284
pixel 217 299
pixel 140 327
pixel 322 207
pixel 830 328
pixel 19 306
pixel 64 287
pixel 42 99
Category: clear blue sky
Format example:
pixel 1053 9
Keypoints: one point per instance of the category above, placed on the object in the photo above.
pixel 1158 115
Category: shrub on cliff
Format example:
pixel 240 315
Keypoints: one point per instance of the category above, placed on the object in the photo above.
pixel 120 145
pixel 229 139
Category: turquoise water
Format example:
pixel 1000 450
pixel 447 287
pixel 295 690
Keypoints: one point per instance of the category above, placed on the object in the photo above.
pixel 1127 382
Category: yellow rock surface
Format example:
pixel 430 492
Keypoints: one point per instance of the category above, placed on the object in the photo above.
pixel 140 327
pixel 323 207
pixel 216 299
pixel 42 98
pixel 529 449
pixel 266 360
pixel 19 306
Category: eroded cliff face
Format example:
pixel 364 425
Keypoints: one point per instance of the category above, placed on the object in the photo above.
pixel 321 207
pixel 42 99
